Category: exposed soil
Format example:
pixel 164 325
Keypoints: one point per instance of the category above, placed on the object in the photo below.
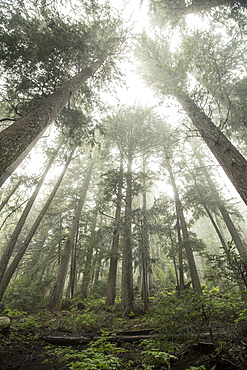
pixel 28 356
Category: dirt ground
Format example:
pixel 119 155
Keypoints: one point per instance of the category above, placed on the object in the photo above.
pixel 28 356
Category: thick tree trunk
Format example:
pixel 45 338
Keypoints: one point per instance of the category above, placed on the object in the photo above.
pixel 57 290
pixel 11 244
pixel 190 258
pixel 112 276
pixel 127 274
pixel 9 170
pixel 12 191
pixel 232 162
pixel 17 137
pixel 21 251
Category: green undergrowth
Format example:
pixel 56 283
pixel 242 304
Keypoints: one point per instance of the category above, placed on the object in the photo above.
pixel 179 323
pixel 100 354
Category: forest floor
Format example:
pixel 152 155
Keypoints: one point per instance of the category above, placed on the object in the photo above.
pixel 25 347
pixel 23 352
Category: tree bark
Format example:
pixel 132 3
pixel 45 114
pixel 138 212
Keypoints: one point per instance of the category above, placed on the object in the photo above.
pixel 12 191
pixel 57 290
pixel 17 137
pixel 127 274
pixel 232 162
pixel 145 242
pixel 190 258
pixel 11 244
pixel 180 257
pixel 112 276
pixel 21 251
pixel 73 275
pixel 89 256
pixel 9 170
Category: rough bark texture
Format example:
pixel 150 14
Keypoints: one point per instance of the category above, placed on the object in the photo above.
pixel 17 137
pixel 9 170
pixel 127 275
pixel 179 209
pixel 232 162
pixel 13 239
pixel 112 277
pixel 21 251
pixel 57 290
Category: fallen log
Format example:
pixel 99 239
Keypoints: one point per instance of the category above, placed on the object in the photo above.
pixel 77 340
pixel 65 341
pixel 136 332
pixel 133 338
pixel 122 336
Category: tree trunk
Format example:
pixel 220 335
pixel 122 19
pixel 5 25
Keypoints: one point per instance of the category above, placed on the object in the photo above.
pixel 225 215
pixel 179 209
pixel 57 290
pixel 145 242
pixel 17 137
pixel 127 274
pixel 21 251
pixel 73 275
pixel 180 257
pixel 112 276
pixel 9 170
pixel 11 244
pixel 12 191
pixel 222 240
pixel 175 263
pixel 97 268
pixel 89 256
pixel 232 162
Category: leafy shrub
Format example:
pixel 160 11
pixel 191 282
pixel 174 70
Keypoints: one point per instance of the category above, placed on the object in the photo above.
pixel 193 312
pixel 85 322
pixel 99 355
pixel 153 357
pixel 13 312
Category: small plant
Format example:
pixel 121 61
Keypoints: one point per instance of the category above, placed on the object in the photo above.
pixel 242 316
pixel 153 357
pixel 83 323
pixel 13 312
pixel 202 367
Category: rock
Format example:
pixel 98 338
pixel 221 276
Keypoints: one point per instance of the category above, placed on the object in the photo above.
pixel 4 324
